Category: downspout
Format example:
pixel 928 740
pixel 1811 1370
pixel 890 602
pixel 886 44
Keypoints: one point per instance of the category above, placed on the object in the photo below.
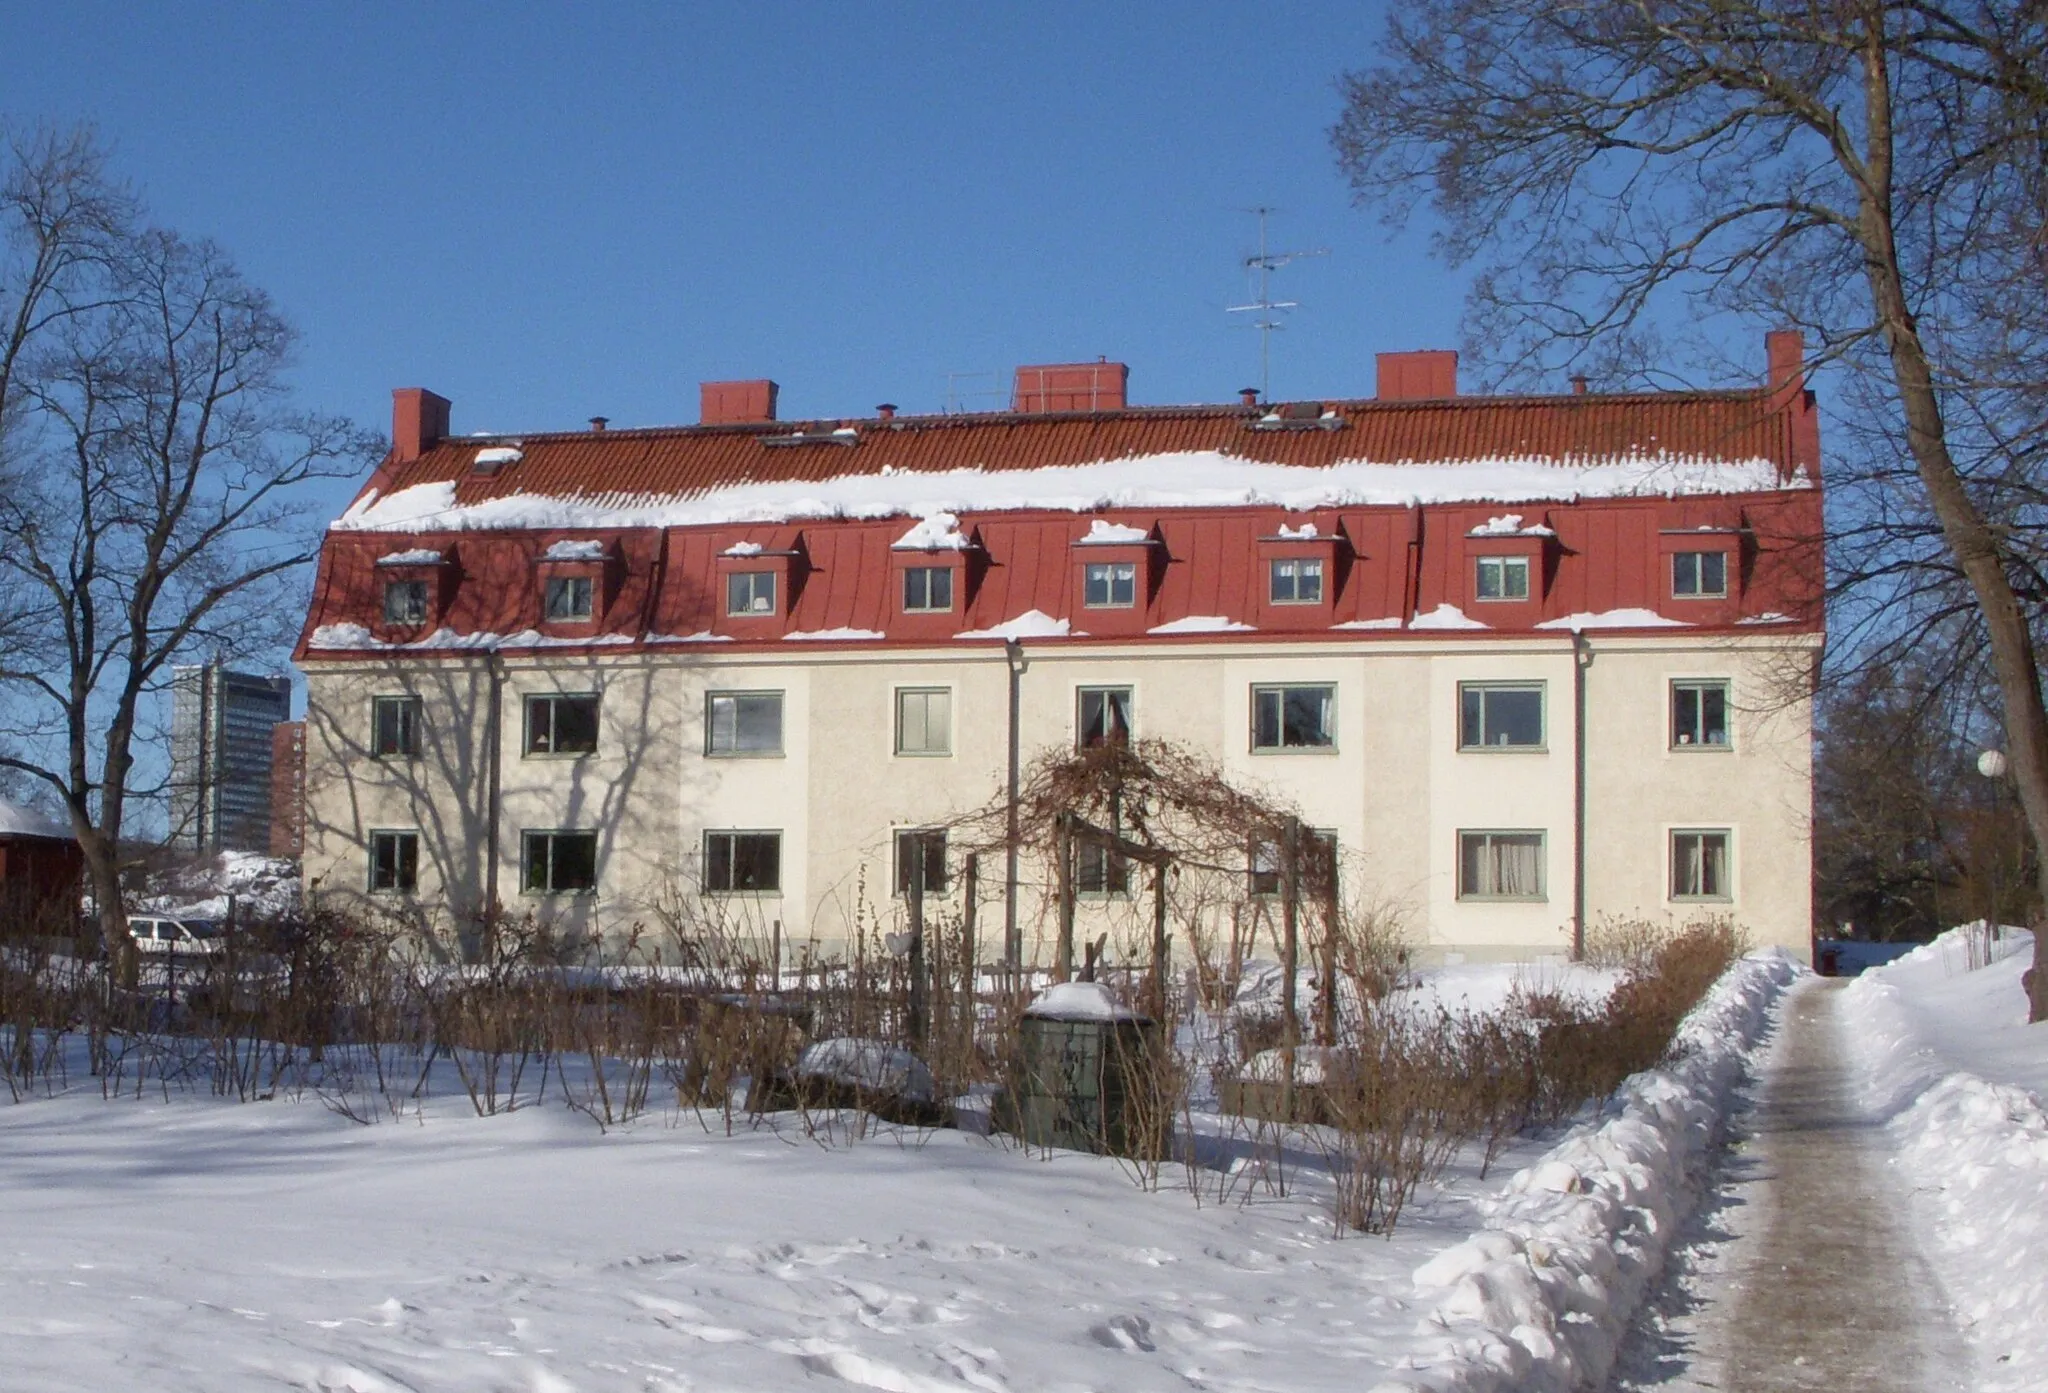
pixel 1582 658
pixel 1013 943
pixel 493 759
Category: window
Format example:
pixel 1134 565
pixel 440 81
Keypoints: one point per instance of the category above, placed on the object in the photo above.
pixel 1293 718
pixel 927 589
pixel 395 861
pixel 1109 584
pixel 1697 575
pixel 405 602
pixel 1268 869
pixel 1500 865
pixel 558 863
pixel 1295 582
pixel 921 849
pixel 1103 716
pixel 740 863
pixel 1699 715
pixel 1503 578
pixel 924 721
pixel 1500 716
pixel 568 598
pixel 1699 865
pixel 561 725
pixel 395 726
pixel 743 723
pixel 750 592
pixel 1099 868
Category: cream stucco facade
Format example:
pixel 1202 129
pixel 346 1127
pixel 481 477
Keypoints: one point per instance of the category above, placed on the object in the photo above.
pixel 1393 783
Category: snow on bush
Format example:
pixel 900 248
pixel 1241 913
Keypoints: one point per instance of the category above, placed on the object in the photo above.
pixel 1538 1300
pixel 874 1065
pixel 1974 1154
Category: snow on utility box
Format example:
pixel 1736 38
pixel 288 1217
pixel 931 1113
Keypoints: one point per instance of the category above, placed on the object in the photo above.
pixel 1087 1076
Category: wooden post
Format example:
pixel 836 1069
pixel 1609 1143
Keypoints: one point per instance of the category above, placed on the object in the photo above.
pixel 1159 944
pixel 1290 960
pixel 918 1005
pixel 1326 857
pixel 1063 950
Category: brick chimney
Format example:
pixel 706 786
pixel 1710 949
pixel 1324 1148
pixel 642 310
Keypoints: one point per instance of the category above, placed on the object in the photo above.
pixel 736 403
pixel 418 420
pixel 1786 350
pixel 1420 376
pixel 1097 386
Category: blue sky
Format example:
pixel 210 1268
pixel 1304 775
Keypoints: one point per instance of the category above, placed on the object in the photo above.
pixel 549 213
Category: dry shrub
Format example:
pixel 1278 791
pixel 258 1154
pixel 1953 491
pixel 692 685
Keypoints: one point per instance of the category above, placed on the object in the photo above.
pixel 1397 1101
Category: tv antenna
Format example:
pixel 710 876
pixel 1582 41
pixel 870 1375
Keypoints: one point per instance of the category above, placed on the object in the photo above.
pixel 1259 268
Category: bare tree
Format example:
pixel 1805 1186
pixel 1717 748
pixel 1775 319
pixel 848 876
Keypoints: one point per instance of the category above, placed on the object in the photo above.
pixel 1869 169
pixel 150 464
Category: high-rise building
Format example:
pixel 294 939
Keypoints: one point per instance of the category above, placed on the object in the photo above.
pixel 221 723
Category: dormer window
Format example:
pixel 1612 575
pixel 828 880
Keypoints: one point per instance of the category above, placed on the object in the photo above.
pixel 1295 580
pixel 1699 575
pixel 927 589
pixel 1502 578
pixel 750 593
pixel 569 599
pixel 1109 585
pixel 405 602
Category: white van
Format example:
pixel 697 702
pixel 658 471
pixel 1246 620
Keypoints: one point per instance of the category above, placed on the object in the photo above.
pixel 153 934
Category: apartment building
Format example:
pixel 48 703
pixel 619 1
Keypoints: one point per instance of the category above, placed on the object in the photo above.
pixel 1531 662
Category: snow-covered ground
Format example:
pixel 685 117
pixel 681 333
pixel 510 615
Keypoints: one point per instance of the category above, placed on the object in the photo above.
pixel 189 1243
pixel 1948 1058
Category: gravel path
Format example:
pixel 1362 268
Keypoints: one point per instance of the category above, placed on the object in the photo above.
pixel 1798 1273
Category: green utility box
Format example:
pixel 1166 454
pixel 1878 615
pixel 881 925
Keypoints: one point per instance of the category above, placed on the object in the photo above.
pixel 1087 1075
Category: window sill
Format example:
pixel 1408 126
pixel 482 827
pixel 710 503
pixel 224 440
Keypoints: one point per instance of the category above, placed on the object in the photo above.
pixel 1703 749
pixel 558 754
pixel 924 754
pixel 589 894
pixel 1703 899
pixel 1503 899
pixel 746 754
pixel 1294 749
pixel 1503 749
pixel 741 894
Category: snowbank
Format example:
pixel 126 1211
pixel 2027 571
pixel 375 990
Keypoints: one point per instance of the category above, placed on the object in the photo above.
pixel 1973 1153
pixel 875 1065
pixel 1538 1300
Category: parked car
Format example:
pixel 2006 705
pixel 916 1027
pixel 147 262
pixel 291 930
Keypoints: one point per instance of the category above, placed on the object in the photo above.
pixel 155 934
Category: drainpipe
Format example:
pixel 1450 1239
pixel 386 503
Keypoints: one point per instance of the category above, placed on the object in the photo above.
pixel 1582 658
pixel 1013 942
pixel 493 758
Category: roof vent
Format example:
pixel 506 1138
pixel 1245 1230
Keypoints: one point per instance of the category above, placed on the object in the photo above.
pixel 737 403
pixel 598 423
pixel 1097 386
pixel 1298 415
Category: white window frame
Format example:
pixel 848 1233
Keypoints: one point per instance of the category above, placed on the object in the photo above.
pixel 569 599
pixel 548 836
pixel 1114 575
pixel 752 585
pixel 1542 840
pixel 923 695
pixel 902 843
pixel 917 578
pixel 1280 690
pixel 1699 590
pixel 1482 689
pixel 397 837
pixel 407 746
pixel 712 701
pixel 1725 894
pixel 1130 708
pixel 732 836
pixel 1115 867
pixel 405 616
pixel 552 699
pixel 1297 570
pixel 1503 566
pixel 1700 685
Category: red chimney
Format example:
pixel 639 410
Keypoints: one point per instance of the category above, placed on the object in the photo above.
pixel 1786 349
pixel 1097 386
pixel 418 419
pixel 1418 376
pixel 736 403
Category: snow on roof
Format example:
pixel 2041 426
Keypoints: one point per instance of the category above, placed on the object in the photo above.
pixel 1768 617
pixel 743 549
pixel 1032 623
pixel 1391 621
pixel 418 556
pixel 19 820
pixel 1304 533
pixel 701 636
pixel 574 551
pixel 352 636
pixel 1614 619
pixel 498 456
pixel 1079 1001
pixel 1510 525
pixel 938 532
pixel 1104 533
pixel 831 635
pixel 1191 479
pixel 1445 617
pixel 1201 624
